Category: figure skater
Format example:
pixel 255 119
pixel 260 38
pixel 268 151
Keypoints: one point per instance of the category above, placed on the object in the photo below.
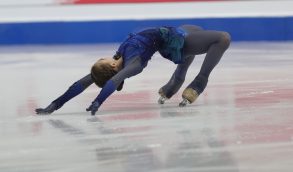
pixel 177 44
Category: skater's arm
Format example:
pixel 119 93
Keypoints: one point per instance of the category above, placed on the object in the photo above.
pixel 75 89
pixel 132 68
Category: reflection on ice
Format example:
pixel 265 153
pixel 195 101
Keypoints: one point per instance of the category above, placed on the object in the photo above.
pixel 242 122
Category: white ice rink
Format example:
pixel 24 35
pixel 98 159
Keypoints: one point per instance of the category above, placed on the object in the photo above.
pixel 243 122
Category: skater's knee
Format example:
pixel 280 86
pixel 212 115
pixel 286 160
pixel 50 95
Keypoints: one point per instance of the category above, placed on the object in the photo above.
pixel 225 39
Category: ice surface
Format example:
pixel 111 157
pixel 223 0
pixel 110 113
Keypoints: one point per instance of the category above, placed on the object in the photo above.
pixel 242 122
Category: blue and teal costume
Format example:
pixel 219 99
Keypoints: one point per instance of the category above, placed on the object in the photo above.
pixel 168 41
pixel 179 45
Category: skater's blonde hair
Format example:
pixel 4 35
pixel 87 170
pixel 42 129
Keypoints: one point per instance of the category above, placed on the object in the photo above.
pixel 101 73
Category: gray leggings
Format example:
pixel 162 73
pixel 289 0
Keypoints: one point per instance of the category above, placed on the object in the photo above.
pixel 198 41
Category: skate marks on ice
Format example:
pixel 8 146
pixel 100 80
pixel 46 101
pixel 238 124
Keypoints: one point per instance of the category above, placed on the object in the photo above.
pixel 242 122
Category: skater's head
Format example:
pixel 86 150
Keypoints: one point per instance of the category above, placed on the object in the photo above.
pixel 104 69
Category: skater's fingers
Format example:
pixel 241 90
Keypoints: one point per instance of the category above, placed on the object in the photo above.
pixel 93 112
pixel 89 108
pixel 41 111
pixel 94 108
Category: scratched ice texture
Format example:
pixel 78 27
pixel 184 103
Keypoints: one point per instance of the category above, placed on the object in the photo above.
pixel 243 122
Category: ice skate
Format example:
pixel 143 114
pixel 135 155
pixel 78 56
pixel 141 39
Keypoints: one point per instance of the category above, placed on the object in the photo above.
pixel 189 95
pixel 183 103
pixel 162 98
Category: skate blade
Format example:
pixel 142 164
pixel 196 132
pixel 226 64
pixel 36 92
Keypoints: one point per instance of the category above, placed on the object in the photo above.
pixel 184 103
pixel 162 100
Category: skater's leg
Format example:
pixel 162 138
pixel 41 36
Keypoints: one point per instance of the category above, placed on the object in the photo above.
pixel 74 90
pixel 214 44
pixel 214 54
pixel 200 41
pixel 212 58
pixel 176 81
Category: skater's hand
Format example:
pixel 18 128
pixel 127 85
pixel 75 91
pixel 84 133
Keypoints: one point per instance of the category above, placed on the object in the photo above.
pixel 46 111
pixel 93 107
